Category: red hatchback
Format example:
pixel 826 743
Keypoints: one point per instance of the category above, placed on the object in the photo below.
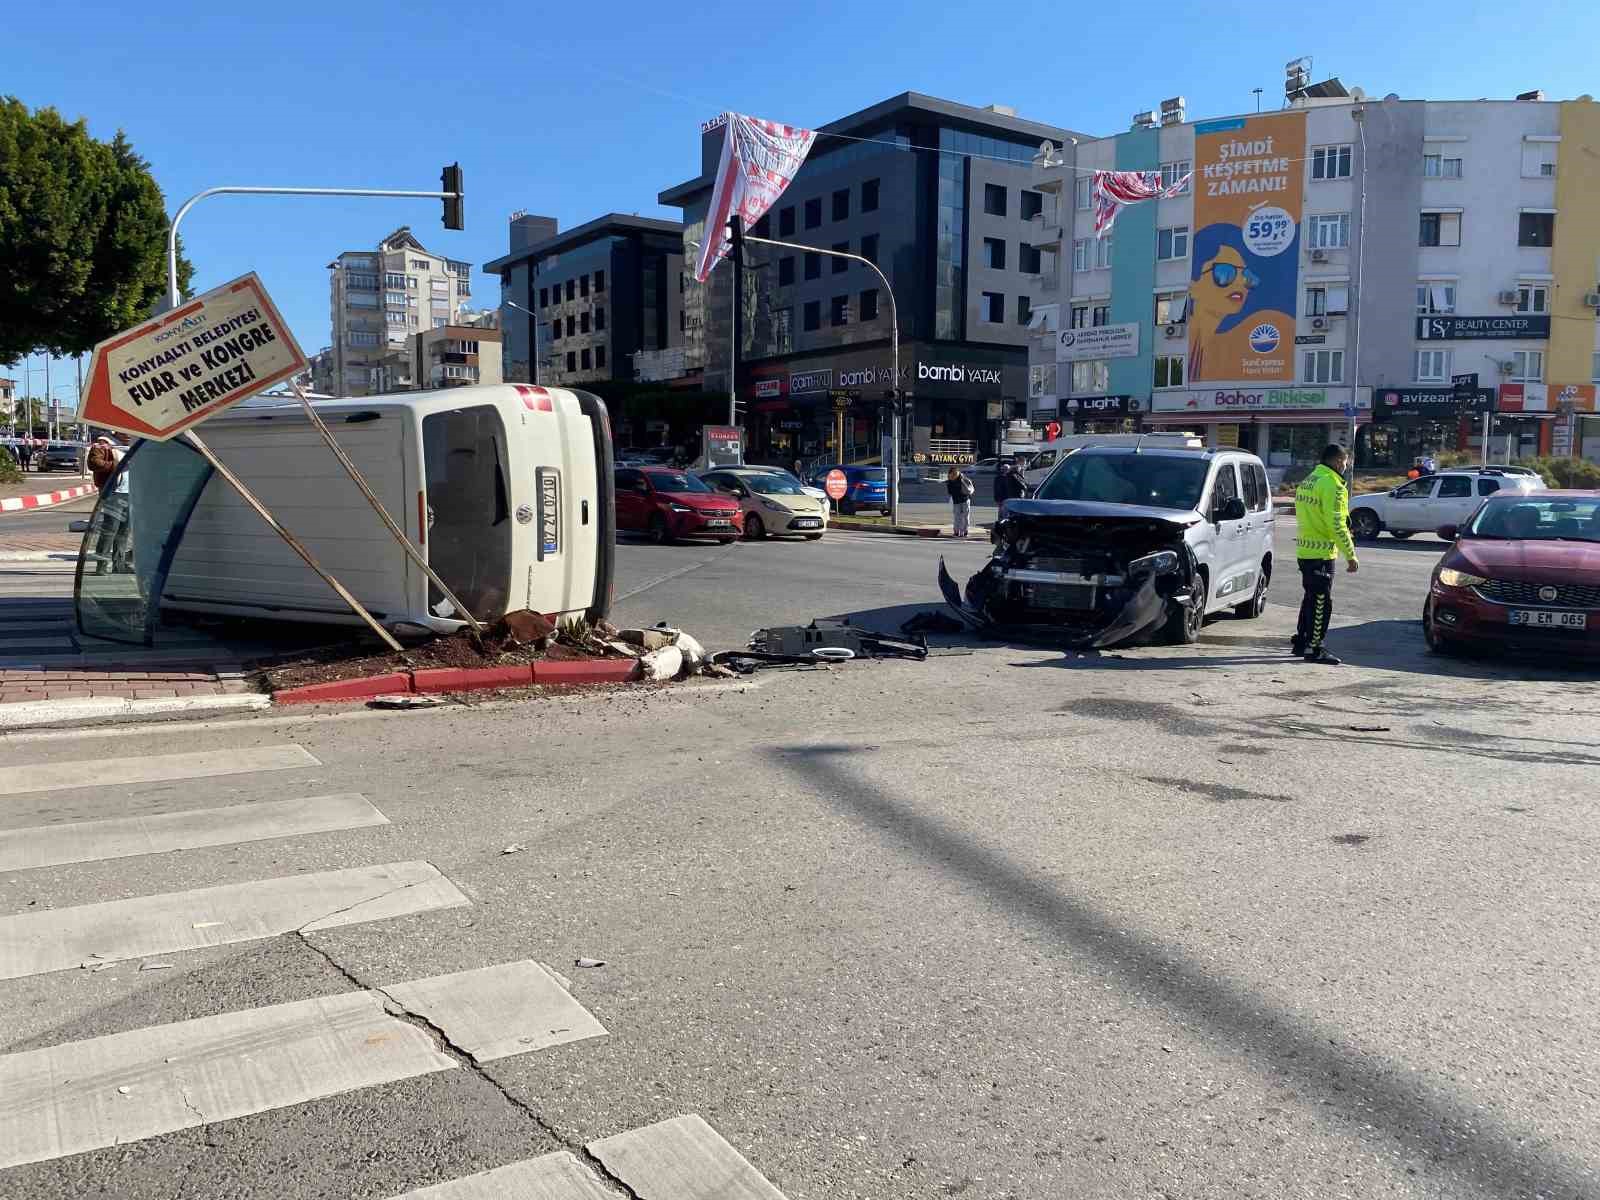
pixel 669 504
pixel 1524 572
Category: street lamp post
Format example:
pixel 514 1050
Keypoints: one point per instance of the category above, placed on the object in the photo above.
pixel 894 349
pixel 533 334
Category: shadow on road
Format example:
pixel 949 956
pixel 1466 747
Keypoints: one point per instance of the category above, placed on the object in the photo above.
pixel 1454 1132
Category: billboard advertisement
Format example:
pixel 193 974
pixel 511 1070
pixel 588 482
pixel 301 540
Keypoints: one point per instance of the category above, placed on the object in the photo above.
pixel 1249 185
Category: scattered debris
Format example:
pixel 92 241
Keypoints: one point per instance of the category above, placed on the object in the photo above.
pixel 588 962
pixel 1368 728
pixel 405 700
pixel 816 645
pixel 526 628
pixel 205 924
pixel 154 966
pixel 124 1090
pixel 514 848
pixel 1351 839
pixel 663 665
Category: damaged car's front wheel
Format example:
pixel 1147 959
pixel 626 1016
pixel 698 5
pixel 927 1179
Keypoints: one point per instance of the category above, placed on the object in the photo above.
pixel 1184 619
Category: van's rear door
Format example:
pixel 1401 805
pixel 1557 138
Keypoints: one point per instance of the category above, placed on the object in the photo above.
pixel 568 439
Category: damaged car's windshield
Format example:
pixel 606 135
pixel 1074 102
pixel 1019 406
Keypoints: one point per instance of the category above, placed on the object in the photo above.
pixel 1155 480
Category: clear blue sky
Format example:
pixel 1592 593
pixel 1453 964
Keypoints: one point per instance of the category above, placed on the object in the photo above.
pixel 574 110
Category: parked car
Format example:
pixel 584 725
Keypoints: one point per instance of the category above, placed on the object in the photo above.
pixel 1522 573
pixel 1121 542
pixel 815 493
pixel 1447 498
pixel 669 504
pixel 58 458
pixel 773 502
pixel 868 487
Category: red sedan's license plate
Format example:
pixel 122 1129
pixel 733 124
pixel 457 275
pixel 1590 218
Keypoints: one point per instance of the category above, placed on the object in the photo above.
pixel 1541 618
pixel 718 523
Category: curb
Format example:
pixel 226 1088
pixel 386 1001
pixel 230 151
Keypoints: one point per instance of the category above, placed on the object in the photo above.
pixel 27 714
pixel 553 673
pixel 927 531
pixel 44 499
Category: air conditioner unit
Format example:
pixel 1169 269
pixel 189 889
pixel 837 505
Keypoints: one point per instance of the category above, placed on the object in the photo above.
pixel 1507 297
pixel 1319 256
pixel 1175 329
pixel 1592 300
pixel 1319 322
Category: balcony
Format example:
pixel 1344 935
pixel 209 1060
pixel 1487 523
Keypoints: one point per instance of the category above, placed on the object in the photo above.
pixel 1048 285
pixel 1044 230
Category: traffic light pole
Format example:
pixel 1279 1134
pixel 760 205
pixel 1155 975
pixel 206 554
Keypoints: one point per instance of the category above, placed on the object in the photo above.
pixel 172 230
pixel 894 349
pixel 735 228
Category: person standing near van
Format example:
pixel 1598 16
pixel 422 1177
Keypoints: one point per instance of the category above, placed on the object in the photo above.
pixel 960 489
pixel 1322 514
pixel 1008 485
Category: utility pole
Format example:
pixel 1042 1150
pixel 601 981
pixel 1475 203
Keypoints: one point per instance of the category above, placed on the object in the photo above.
pixel 735 230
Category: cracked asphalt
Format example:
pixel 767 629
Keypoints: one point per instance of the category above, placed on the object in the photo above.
pixel 1162 921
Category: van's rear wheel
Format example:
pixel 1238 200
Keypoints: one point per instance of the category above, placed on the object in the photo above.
pixel 1364 524
pixel 1257 604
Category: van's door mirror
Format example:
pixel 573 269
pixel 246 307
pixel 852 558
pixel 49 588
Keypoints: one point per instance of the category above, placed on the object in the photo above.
pixel 1232 509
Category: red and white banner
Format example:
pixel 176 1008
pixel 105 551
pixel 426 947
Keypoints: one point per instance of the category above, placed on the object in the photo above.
pixel 1113 189
pixel 759 160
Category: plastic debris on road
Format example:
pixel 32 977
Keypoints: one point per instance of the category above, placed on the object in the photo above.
pixel 404 700
pixel 588 962
pixel 514 848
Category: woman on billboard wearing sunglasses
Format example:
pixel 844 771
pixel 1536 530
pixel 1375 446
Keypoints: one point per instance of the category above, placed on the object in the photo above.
pixel 1236 333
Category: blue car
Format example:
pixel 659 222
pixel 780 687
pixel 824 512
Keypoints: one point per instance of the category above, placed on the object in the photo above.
pixel 869 487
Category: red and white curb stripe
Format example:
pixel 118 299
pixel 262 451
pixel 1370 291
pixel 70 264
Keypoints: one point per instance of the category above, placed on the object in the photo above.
pixel 44 499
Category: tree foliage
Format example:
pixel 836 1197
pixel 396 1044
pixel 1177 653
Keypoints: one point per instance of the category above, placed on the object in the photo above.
pixel 83 231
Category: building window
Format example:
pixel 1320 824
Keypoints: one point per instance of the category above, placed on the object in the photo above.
pixel 1435 298
pixel 1330 162
pixel 1082 192
pixel 583 322
pixel 411 283
pixel 1102 253
pixel 1080 316
pixel 572 288
pixel 763 227
pixel 600 357
pixel 841 265
pixel 544 297
pixel 1030 204
pixel 396 299
pixel 587 360
pixel 841 204
pixel 1024 311
pixel 392 280
pixel 869 196
pixel 1316 302
pixel 555 331
pixel 1536 229
pixel 786 221
pixel 599 319
pixel 814 213
pixel 1080 254
pixel 1330 231
pixel 869 304
pixel 1432 366
pixel 362 283
pixel 1533 298
pixel 683 321
pixel 362 337
pixel 1089 378
pixel 994 199
pixel 1324 366
pixel 421 264
pixel 572 360
pixel 994 253
pixel 1527 366
pixel 1173 171
pixel 812 316
pixel 1594 368
pixel 1440 229
pixel 813 265
pixel 1172 243
pixel 1102 314
pixel 994 308
pixel 1327 301
pixel 440 322
pixel 1171 307
pixel 869 247
pixel 1029 260
pixel 599 281
pixel 572 326
pixel 839 310
pixel 1169 370
pixel 786 271
pixel 1538 160
pixel 1437 166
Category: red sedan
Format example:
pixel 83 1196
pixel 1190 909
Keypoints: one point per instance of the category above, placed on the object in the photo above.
pixel 1524 572
pixel 669 504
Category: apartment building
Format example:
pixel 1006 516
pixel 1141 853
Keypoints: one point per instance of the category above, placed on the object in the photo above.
pixel 8 397
pixel 1400 267
pixel 578 306
pixel 939 196
pixel 456 355
pixel 378 298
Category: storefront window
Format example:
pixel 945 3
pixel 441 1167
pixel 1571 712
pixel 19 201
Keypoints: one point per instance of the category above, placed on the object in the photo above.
pixel 1296 445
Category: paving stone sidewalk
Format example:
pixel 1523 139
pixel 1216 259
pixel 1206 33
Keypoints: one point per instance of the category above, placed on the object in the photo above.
pixel 24 685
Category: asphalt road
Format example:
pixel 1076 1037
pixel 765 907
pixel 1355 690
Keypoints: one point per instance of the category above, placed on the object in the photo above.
pixel 1159 922
pixel 46 520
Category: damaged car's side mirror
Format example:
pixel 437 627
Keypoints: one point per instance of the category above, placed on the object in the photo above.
pixel 1232 509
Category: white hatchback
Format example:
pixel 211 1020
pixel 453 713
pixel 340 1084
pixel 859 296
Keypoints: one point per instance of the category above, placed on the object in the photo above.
pixel 1423 505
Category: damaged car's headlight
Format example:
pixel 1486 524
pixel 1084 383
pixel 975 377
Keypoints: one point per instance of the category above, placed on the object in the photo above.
pixel 1159 563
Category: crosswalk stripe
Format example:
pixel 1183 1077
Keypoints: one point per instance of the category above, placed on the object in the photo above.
pixel 159 833
pixel 151 768
pixel 33 943
pixel 499 1011
pixel 683 1158
pixel 126 1086
pixel 558 1176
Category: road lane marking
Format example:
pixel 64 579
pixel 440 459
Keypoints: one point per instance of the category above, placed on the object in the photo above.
pixel 499 1011
pixel 160 833
pixel 558 1176
pixel 684 1159
pixel 101 773
pixel 34 943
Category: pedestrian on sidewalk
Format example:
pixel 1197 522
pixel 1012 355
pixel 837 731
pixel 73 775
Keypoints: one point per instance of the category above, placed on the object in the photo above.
pixel 102 461
pixel 960 489
pixel 1008 485
pixel 1322 514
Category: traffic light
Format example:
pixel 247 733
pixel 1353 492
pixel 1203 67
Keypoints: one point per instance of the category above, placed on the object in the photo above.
pixel 450 181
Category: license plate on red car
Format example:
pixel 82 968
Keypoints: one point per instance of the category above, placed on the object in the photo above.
pixel 1544 618
pixel 719 523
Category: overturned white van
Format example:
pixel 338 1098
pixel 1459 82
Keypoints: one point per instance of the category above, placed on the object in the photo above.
pixel 507 489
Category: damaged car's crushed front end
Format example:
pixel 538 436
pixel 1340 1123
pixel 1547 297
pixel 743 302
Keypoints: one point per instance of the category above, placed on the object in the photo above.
pixel 1081 572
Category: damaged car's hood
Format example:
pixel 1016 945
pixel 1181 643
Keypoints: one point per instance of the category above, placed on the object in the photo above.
pixel 1118 518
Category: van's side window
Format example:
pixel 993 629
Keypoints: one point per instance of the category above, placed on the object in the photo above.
pixel 469 538
pixel 1225 488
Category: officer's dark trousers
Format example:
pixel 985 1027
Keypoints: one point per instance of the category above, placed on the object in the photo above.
pixel 1316 604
